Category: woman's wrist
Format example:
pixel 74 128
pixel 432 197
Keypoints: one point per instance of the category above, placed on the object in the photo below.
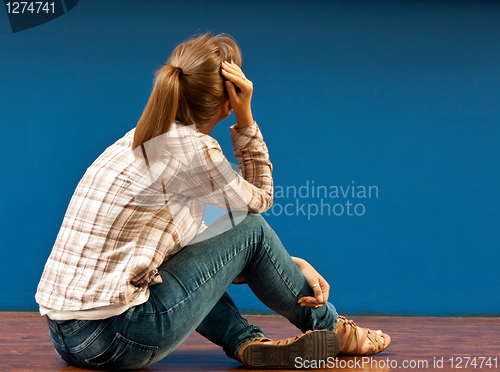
pixel 244 121
pixel 299 262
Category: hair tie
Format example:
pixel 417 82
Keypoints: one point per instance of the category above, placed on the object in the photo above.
pixel 179 71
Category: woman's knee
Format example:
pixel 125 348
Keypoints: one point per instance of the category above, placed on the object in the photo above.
pixel 255 219
pixel 257 223
pixel 262 232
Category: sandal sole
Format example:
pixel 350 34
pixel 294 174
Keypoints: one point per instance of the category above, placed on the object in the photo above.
pixel 316 346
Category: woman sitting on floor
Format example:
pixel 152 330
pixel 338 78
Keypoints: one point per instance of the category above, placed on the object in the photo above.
pixel 134 270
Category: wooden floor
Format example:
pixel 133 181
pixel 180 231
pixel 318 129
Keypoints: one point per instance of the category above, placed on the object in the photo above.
pixel 416 342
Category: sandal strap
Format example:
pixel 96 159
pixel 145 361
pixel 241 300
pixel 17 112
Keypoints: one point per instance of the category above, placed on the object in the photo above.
pixel 375 339
pixel 349 333
pixel 290 340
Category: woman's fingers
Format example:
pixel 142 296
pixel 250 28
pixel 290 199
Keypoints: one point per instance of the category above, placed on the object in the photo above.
pixel 321 293
pixel 231 91
pixel 325 289
pixel 233 68
pixel 317 292
pixel 309 301
pixel 233 73
pixel 230 70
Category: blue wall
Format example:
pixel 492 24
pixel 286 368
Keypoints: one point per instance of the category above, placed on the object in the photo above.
pixel 403 96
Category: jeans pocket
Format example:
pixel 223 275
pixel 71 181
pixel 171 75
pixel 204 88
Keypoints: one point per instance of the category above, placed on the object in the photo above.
pixel 123 354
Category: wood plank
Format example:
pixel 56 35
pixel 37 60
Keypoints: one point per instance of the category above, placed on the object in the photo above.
pixel 25 344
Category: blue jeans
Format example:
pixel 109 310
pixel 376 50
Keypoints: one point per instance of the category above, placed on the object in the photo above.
pixel 193 296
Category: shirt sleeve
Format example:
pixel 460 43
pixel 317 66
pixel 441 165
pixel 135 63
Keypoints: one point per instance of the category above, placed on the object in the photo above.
pixel 253 159
pixel 213 180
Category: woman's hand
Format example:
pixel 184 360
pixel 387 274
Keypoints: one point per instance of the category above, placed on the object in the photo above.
pixel 319 285
pixel 240 102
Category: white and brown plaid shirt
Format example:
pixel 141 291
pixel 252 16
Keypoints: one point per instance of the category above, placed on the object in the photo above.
pixel 133 210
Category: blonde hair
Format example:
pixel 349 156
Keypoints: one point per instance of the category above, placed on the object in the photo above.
pixel 189 88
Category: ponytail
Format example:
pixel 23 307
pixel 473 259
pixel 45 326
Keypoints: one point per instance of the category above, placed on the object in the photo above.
pixel 161 109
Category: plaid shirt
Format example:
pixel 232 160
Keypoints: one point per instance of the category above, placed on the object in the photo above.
pixel 133 210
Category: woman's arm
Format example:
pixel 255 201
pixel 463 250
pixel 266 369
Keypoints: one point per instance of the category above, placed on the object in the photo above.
pixel 212 180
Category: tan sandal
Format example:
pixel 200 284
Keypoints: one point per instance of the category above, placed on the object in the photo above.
pixel 353 340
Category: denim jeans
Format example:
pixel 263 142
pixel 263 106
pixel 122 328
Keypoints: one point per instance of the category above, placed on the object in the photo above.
pixel 193 296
